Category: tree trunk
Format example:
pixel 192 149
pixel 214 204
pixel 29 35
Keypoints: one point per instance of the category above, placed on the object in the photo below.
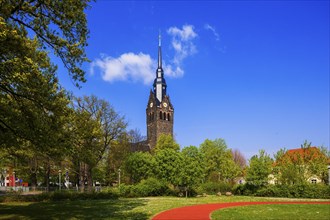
pixel 82 177
pixel 47 174
pixel 33 178
pixel 89 179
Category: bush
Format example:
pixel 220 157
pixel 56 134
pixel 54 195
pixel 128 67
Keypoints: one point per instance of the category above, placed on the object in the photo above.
pixel 213 188
pixel 57 196
pixel 148 187
pixel 315 191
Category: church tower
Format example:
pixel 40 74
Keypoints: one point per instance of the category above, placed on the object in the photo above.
pixel 160 111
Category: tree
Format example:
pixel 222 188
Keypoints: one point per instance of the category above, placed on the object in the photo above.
pixel 139 166
pixel 30 96
pixel 166 142
pixel 239 158
pixel 192 170
pixel 218 160
pixel 168 165
pixel 118 153
pixel 96 126
pixel 58 25
pixel 260 167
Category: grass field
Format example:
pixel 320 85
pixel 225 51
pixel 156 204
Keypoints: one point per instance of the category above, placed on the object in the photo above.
pixel 272 212
pixel 123 208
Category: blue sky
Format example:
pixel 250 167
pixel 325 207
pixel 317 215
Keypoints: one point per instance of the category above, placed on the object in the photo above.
pixel 253 73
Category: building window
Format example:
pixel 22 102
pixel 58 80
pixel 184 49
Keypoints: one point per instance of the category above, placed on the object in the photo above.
pixel 168 117
pixel 314 181
pixel 161 115
pixel 164 116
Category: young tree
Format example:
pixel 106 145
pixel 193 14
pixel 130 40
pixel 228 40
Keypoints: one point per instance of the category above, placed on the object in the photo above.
pixel 260 167
pixel 139 166
pixel 192 170
pixel 169 165
pixel 97 126
pixel 218 160
pixel 239 158
pixel 166 142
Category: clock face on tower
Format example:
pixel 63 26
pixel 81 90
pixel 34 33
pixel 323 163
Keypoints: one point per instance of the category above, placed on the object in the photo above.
pixel 165 104
pixel 151 104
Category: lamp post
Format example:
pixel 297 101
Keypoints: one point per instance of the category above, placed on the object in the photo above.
pixel 59 179
pixel 14 180
pixel 119 177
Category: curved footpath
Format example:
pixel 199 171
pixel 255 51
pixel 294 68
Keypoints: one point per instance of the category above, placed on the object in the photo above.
pixel 203 212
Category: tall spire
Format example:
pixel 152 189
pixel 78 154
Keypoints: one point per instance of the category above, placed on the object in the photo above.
pixel 159 51
pixel 159 82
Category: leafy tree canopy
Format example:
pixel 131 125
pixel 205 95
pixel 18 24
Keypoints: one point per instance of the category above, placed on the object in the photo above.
pixel 166 142
pixel 260 166
pixel 58 25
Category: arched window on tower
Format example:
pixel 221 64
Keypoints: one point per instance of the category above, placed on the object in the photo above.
pixel 168 117
pixel 161 115
pixel 152 116
pixel 164 115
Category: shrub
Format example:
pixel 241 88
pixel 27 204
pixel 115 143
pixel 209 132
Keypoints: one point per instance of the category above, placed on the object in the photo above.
pixel 213 188
pixel 316 191
pixel 148 187
pixel 57 196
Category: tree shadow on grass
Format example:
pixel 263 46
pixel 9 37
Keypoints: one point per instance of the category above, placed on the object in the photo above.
pixel 82 209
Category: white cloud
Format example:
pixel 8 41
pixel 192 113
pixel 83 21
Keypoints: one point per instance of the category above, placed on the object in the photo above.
pixel 129 66
pixel 212 29
pixel 182 43
pixel 141 67
pixel 174 72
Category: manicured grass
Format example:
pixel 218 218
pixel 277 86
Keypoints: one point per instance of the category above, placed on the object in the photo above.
pixel 123 208
pixel 272 212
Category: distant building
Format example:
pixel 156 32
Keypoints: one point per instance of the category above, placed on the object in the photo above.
pixel 160 111
pixel 303 157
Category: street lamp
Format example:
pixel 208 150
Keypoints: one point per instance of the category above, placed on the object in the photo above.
pixel 59 178
pixel 14 180
pixel 119 177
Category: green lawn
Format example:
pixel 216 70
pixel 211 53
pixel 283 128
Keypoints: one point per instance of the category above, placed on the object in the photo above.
pixel 134 208
pixel 272 212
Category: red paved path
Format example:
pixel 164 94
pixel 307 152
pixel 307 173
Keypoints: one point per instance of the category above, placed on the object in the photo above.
pixel 203 212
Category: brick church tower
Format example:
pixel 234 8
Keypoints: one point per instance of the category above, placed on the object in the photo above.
pixel 160 111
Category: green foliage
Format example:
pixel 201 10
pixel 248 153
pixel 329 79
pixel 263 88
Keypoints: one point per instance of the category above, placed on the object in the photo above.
pixel 147 187
pixel 150 187
pixel 192 168
pixel 297 166
pixel 166 142
pixel 139 165
pixel 260 167
pixel 169 165
pixel 58 196
pixel 212 188
pixel 96 126
pixel 57 25
pixel 218 159
pixel 316 191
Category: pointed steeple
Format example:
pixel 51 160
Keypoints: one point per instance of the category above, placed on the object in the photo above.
pixel 159 51
pixel 159 83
